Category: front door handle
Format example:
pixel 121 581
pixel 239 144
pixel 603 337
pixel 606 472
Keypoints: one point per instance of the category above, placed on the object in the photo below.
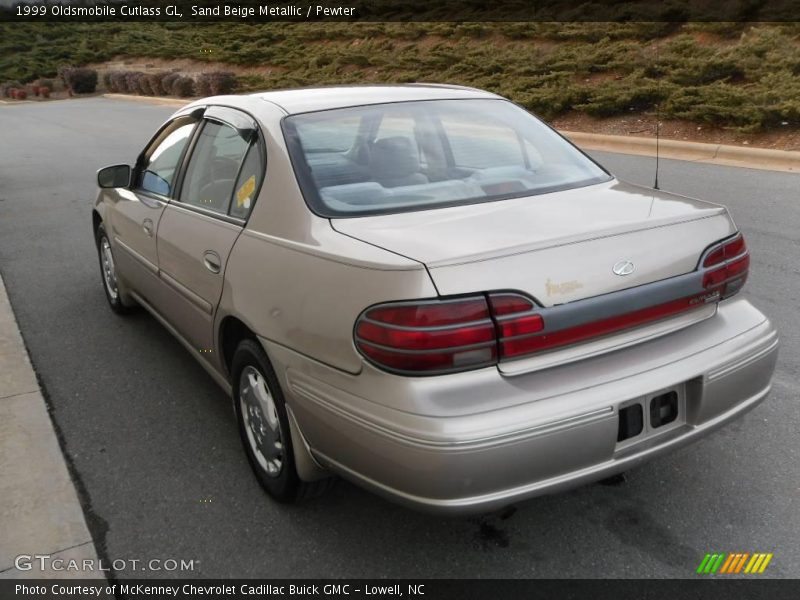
pixel 147 225
pixel 212 261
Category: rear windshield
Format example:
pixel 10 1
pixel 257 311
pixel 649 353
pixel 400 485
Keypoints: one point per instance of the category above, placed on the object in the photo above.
pixel 416 155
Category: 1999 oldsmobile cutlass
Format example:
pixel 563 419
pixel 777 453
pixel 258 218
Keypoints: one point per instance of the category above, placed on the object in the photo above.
pixel 427 291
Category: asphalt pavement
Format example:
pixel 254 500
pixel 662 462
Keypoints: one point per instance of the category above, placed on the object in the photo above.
pixel 154 451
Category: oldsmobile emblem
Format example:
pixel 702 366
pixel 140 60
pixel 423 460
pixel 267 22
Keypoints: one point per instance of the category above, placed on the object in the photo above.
pixel 623 267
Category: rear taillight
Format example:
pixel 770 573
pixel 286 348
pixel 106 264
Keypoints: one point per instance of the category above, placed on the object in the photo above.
pixel 459 334
pixel 448 335
pixel 725 267
pixel 427 337
pixel 517 323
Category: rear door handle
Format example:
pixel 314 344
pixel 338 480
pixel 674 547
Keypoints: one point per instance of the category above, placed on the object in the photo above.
pixel 212 261
pixel 147 225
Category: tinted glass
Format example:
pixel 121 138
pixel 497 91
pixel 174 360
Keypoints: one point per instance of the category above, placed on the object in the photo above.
pixel 213 167
pixel 338 136
pixel 161 161
pixel 469 143
pixel 249 182
pixel 416 155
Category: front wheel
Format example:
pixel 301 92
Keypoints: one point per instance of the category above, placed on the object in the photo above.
pixel 264 426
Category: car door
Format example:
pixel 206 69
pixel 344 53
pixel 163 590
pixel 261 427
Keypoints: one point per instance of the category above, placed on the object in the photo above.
pixel 200 225
pixel 138 210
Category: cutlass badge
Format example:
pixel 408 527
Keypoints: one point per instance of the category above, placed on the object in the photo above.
pixel 566 287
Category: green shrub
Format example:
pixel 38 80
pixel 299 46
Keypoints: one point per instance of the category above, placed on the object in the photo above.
pixel 550 101
pixel 718 103
pixel 319 61
pixel 634 93
pixel 714 69
pixel 520 31
pixel 470 30
pixel 723 29
pixel 251 83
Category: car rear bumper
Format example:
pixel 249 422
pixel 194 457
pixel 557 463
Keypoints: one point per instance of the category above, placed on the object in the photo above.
pixel 479 441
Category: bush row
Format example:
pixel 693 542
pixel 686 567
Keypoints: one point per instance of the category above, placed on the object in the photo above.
pixel 169 83
pixel 82 80
pixel 18 91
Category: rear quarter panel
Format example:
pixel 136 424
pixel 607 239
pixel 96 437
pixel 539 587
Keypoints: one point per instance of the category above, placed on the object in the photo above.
pixel 308 297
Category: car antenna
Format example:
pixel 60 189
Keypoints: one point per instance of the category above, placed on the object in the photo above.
pixel 658 109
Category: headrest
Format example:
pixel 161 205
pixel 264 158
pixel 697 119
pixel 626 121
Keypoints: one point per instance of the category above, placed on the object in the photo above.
pixel 394 157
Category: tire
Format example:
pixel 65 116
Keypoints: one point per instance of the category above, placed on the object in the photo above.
pixel 264 427
pixel 115 291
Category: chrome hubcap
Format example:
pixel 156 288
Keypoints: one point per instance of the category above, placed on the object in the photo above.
pixel 109 272
pixel 261 422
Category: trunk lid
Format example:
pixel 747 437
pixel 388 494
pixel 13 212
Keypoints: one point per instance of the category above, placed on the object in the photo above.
pixel 557 247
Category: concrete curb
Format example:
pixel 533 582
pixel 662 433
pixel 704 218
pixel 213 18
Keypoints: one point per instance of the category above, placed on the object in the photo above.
pixel 40 514
pixel 718 154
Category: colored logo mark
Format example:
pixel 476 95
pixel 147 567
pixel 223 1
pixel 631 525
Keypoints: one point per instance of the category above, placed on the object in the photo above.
pixel 734 563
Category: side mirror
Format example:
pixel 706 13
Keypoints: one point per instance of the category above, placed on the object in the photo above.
pixel 116 176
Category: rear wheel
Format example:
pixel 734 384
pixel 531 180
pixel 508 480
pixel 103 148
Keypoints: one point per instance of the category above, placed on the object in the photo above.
pixel 114 289
pixel 264 426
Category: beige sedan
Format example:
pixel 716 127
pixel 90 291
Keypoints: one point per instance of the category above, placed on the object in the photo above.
pixel 426 290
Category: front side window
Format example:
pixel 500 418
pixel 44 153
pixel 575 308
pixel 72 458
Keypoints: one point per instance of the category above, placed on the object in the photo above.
pixel 214 166
pixel 157 171
pixel 428 154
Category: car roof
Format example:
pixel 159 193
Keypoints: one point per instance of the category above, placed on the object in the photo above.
pixel 326 98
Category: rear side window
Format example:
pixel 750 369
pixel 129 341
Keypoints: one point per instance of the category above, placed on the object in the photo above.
pixel 214 167
pixel 157 171
pixel 249 181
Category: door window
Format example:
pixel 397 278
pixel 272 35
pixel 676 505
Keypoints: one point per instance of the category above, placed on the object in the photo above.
pixel 157 171
pixel 214 167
